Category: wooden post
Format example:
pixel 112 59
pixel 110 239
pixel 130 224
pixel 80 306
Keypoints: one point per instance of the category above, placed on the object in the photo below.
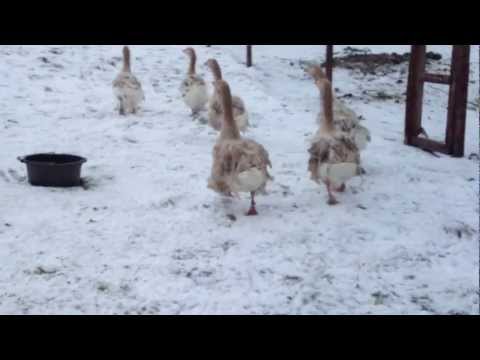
pixel 329 61
pixel 413 121
pixel 249 56
pixel 458 98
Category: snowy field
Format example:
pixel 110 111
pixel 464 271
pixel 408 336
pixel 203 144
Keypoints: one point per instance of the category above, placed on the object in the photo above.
pixel 146 236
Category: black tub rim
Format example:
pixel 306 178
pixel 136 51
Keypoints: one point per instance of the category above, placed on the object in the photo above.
pixel 30 159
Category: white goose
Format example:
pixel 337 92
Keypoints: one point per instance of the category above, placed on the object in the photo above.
pixel 193 88
pixel 127 89
pixel 215 110
pixel 239 165
pixel 345 118
pixel 334 156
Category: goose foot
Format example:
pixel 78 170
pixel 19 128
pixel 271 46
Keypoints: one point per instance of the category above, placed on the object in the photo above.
pixel 253 210
pixel 342 188
pixel 331 198
pixel 332 201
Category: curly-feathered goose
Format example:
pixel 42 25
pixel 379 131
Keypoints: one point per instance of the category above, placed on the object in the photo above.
pixel 239 165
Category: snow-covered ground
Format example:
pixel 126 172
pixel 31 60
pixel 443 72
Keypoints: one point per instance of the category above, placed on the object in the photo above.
pixel 148 237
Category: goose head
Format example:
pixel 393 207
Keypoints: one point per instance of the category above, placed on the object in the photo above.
pixel 190 52
pixel 214 67
pixel 316 72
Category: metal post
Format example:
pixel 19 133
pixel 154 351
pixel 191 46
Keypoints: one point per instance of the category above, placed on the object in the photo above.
pixel 249 56
pixel 329 62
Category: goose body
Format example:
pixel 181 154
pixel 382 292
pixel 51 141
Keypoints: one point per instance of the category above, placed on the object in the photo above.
pixel 334 155
pixel 193 88
pixel 127 88
pixel 215 109
pixel 239 165
pixel 347 121
pixel 334 159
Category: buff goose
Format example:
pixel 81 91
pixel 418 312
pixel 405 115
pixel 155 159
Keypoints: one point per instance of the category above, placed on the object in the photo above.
pixel 126 87
pixel 334 156
pixel 239 165
pixel 215 111
pixel 193 88
pixel 345 119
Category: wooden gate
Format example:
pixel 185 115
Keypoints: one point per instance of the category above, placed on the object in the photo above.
pixel 457 105
pixel 458 82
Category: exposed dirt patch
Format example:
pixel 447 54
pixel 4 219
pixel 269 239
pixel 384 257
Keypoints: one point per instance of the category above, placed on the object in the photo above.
pixel 367 63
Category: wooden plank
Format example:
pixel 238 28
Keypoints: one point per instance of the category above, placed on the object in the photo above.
pixel 437 78
pixel 430 145
pixel 413 116
pixel 450 111
pixel 458 106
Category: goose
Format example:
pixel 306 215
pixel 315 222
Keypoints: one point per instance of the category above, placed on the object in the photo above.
pixel 193 88
pixel 215 111
pixel 239 165
pixel 127 88
pixel 334 155
pixel 345 118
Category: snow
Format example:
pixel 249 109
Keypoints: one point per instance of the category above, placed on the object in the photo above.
pixel 148 237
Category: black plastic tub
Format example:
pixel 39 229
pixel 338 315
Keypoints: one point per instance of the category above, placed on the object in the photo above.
pixel 54 170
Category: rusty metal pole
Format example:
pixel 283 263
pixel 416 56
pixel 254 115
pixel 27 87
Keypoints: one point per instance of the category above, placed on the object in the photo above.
pixel 249 56
pixel 329 62
pixel 457 106
pixel 413 118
